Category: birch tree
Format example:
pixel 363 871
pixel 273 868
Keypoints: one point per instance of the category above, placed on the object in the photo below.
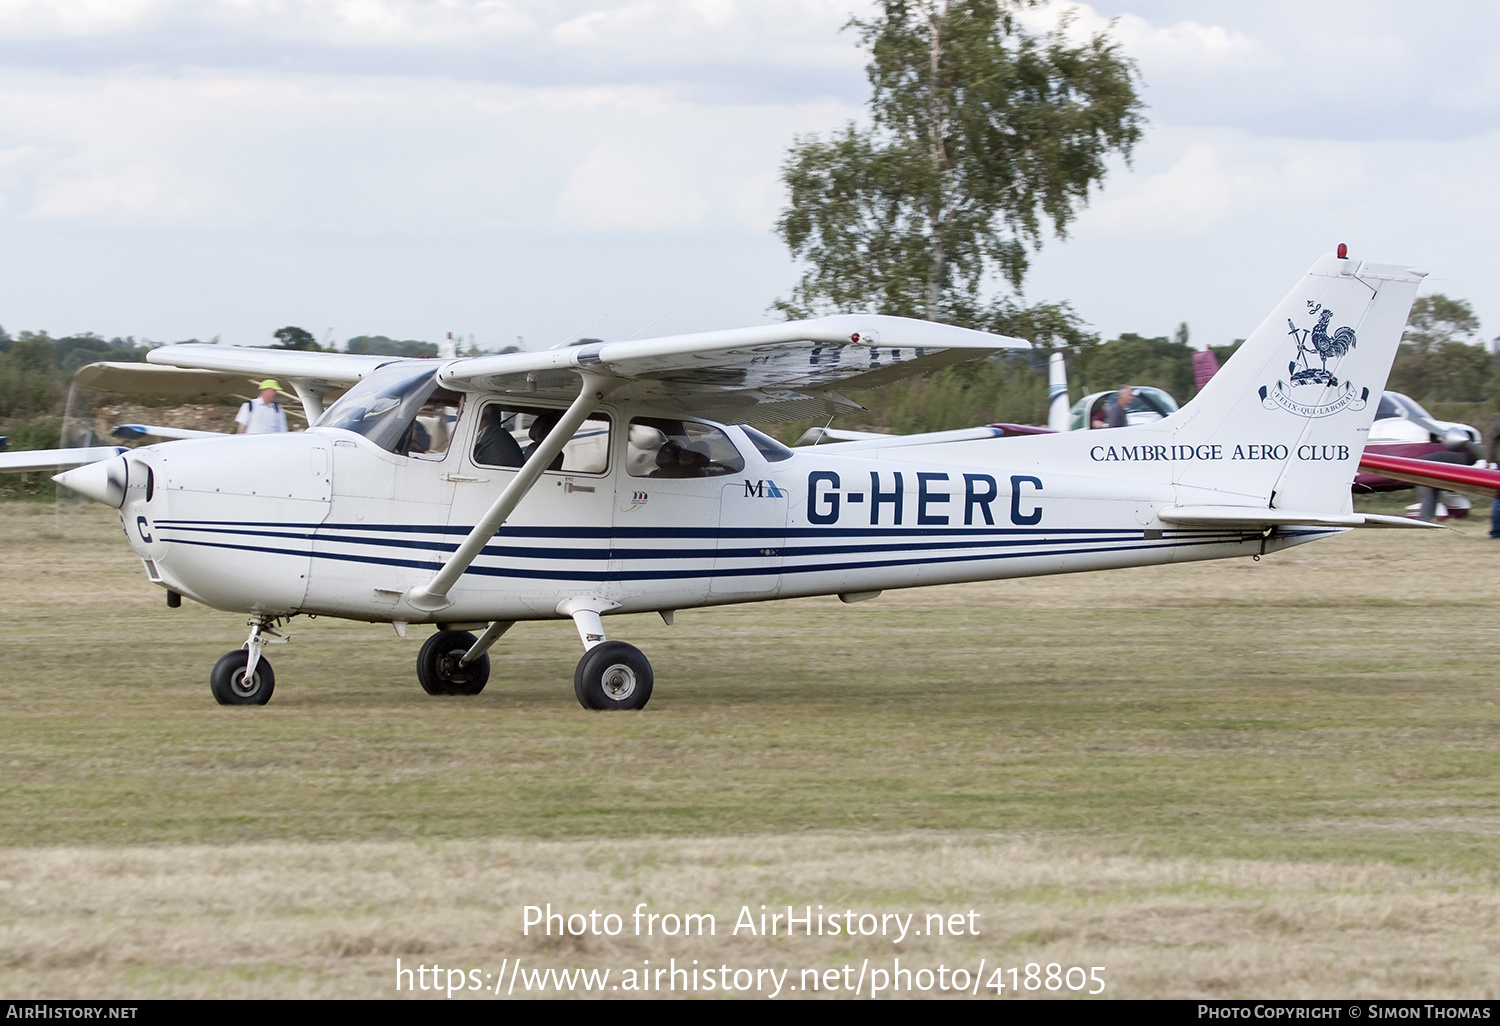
pixel 982 137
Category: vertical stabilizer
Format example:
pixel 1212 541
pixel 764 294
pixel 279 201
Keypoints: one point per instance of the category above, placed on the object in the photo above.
pixel 1288 415
pixel 1057 392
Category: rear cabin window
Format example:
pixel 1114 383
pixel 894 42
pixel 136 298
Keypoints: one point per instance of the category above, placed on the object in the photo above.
pixel 661 447
pixel 508 434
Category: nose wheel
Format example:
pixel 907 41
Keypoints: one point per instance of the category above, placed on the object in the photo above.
pixel 231 686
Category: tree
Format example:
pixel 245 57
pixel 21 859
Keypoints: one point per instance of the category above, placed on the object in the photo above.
pixel 980 131
pixel 295 338
pixel 1435 319
pixel 1438 359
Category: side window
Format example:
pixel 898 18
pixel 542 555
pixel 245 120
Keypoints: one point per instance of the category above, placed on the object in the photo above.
pixel 508 434
pixel 660 447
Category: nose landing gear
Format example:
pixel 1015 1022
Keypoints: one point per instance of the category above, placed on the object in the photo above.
pixel 242 677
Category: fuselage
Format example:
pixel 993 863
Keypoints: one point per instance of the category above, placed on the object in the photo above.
pixel 329 522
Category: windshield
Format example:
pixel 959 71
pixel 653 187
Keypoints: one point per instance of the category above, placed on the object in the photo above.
pixel 383 406
pixel 772 450
pixel 1413 408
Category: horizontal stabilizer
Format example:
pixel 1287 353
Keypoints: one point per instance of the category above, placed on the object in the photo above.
pixel 1255 516
pixel 134 432
pixel 54 459
pixel 1452 476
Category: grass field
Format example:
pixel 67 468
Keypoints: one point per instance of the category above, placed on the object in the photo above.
pixel 1225 779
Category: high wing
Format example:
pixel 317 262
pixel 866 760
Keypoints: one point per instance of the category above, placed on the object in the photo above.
pixel 163 382
pixel 745 375
pixel 234 370
pixel 1474 480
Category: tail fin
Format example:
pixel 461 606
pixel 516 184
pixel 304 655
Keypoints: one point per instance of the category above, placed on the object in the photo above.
pixel 1287 416
pixel 1057 392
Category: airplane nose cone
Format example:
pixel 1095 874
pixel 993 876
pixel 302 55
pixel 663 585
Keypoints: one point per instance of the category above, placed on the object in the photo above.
pixel 103 481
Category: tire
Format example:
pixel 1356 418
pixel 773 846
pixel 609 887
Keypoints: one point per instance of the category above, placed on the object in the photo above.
pixel 612 676
pixel 438 669
pixel 227 682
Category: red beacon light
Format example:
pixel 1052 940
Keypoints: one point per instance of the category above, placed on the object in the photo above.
pixel 1343 251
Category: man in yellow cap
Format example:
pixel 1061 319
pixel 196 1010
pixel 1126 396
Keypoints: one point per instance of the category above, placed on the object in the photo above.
pixel 264 415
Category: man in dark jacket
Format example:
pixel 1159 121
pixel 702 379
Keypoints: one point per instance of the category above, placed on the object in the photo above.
pixel 1491 457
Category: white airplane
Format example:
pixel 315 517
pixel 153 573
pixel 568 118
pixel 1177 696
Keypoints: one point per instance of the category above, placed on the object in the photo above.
pixel 624 477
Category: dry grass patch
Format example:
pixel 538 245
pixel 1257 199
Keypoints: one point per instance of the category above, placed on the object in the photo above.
pixel 330 920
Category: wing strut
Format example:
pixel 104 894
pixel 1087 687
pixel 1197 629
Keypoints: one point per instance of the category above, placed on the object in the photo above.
pixel 433 595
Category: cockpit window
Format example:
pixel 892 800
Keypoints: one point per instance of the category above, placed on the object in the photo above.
pixel 661 447
pixel 509 434
pixel 1413 408
pixel 385 408
pixel 768 447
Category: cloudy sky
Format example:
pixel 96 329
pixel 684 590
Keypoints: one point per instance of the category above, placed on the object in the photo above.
pixel 551 168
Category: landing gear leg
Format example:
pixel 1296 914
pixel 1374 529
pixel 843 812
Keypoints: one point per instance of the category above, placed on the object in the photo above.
pixel 611 674
pixel 242 677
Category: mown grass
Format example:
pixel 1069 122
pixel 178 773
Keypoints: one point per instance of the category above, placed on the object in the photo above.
pixel 1334 703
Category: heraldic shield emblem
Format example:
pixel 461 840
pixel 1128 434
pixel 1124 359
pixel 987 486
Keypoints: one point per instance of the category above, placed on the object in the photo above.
pixel 1314 390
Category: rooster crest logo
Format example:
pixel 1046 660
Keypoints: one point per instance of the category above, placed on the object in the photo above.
pixel 1316 391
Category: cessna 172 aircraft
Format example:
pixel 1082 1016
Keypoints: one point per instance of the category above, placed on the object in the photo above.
pixel 624 477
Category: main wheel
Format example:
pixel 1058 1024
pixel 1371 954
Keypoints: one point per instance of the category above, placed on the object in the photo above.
pixel 438 669
pixel 229 685
pixel 613 675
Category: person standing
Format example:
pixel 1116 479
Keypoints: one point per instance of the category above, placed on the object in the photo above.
pixel 1115 413
pixel 1491 457
pixel 264 415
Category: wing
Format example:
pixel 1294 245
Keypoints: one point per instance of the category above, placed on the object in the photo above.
pixel 312 376
pixel 1454 477
pixel 746 375
pixel 166 382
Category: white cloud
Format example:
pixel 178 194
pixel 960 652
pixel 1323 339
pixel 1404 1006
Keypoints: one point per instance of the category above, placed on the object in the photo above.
pixel 1216 178
pixel 1186 43
pixel 47 19
pixel 615 189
